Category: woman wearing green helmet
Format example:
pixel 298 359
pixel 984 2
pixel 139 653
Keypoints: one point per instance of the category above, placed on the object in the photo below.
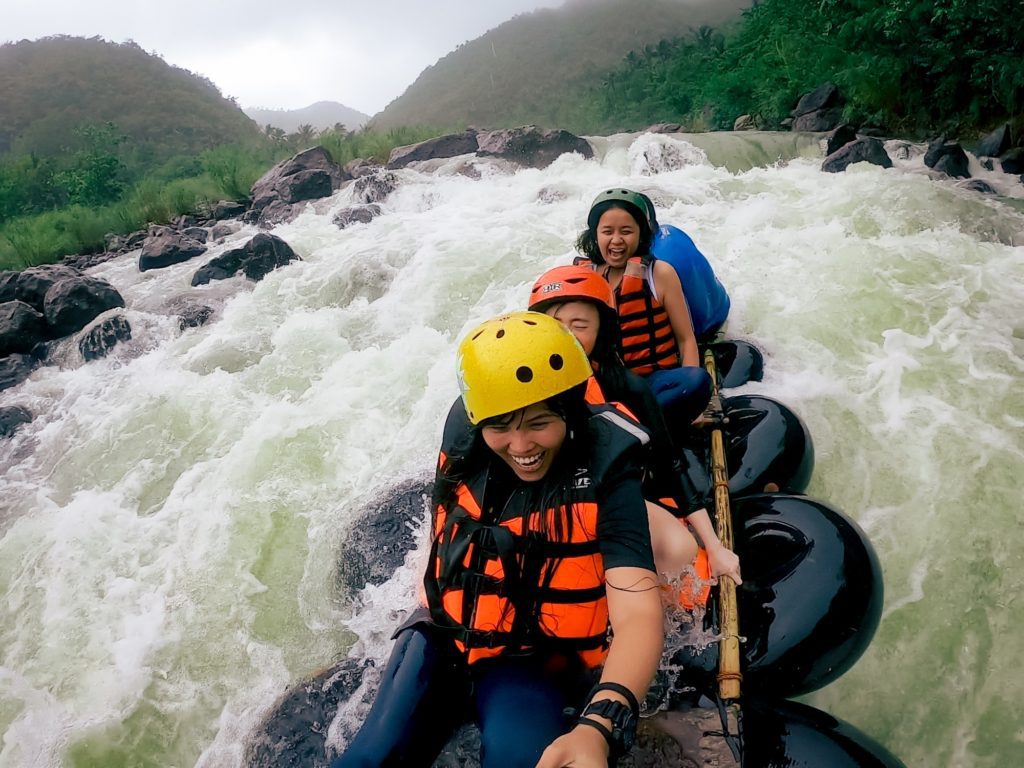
pixel 658 342
pixel 540 545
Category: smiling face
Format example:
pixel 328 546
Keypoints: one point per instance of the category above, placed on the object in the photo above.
pixel 528 440
pixel 618 237
pixel 580 317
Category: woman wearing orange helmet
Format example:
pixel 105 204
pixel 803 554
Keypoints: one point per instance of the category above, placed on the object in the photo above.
pixel 582 301
pixel 539 548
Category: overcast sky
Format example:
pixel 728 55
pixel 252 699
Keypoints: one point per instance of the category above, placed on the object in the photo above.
pixel 363 53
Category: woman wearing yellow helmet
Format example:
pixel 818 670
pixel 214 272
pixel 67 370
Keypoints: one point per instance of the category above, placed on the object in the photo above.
pixel 540 547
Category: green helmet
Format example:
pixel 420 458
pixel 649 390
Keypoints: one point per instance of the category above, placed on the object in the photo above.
pixel 618 194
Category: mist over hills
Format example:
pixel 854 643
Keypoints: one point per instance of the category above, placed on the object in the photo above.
pixel 321 115
pixel 536 67
pixel 53 86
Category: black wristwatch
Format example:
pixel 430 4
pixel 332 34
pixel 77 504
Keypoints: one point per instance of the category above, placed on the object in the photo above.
pixel 623 731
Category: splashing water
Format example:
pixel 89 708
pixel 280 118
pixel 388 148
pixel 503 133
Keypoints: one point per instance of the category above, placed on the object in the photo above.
pixel 171 520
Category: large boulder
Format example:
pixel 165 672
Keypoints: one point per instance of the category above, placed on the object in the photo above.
pixel 166 247
pixel 14 369
pixel 947 157
pixel 104 336
pixel 452 145
pixel 308 175
pixel 256 259
pixel 1012 161
pixel 839 137
pixel 744 123
pixel 995 143
pixel 818 120
pixel 374 187
pixel 824 96
pixel 531 146
pixel 21 327
pixel 226 209
pixel 30 285
pixel 12 417
pixel 74 302
pixel 357 214
pixel 859 151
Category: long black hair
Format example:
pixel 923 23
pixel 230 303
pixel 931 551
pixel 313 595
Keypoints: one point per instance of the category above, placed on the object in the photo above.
pixel 586 243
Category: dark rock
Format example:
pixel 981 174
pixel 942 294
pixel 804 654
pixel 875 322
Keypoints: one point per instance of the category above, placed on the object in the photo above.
pixel 987 163
pixel 104 336
pixel 14 369
pixel 375 547
pixel 256 259
pixel 223 229
pixel 21 327
pixel 226 209
pixel 113 242
pixel 183 222
pixel 83 261
pixel 995 143
pixel 199 234
pixel 818 120
pixel 194 315
pixel 665 128
pixel 373 189
pixel 309 175
pixel 136 239
pixel 72 303
pixel 744 123
pixel 12 417
pixel 874 131
pixel 278 212
pixel 839 137
pixel 531 146
pixel 452 145
pixel 936 149
pixel 165 247
pixel 954 164
pixel 861 150
pixel 1012 161
pixel 359 167
pixel 786 124
pixel 822 97
pixel 977 185
pixel 31 285
pixel 360 214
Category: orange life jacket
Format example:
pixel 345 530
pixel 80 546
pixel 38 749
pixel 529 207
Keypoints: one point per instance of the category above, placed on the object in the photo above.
pixel 648 341
pixel 498 582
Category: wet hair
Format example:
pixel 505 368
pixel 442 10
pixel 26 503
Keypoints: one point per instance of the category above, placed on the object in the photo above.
pixel 586 243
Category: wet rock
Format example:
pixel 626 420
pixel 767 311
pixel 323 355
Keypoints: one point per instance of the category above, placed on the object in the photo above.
pixel 193 315
pixel 452 145
pixel 377 545
pixel 226 209
pixel 1012 161
pixel 839 137
pixel 277 212
pixel 744 123
pixel 223 229
pixel 308 175
pixel 83 261
pixel 104 336
pixel 824 96
pixel 786 124
pixel 12 417
pixel 819 120
pixel 256 259
pixel 183 221
pixel 995 143
pixel 30 285
pixel 360 167
pixel 199 234
pixel 861 150
pixel 21 327
pixel 947 157
pixel 14 369
pixel 977 185
pixel 531 146
pixel 359 214
pixel 665 128
pixel 987 163
pixel 74 302
pixel 376 187
pixel 167 247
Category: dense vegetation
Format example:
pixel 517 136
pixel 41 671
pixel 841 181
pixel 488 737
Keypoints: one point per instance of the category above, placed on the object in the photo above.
pixel 537 67
pixel 910 66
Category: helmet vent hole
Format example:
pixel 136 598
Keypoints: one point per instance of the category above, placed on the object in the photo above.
pixel 556 362
pixel 530 322
pixel 524 374
pixel 500 334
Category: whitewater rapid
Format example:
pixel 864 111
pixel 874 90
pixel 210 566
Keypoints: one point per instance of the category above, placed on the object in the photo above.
pixel 170 522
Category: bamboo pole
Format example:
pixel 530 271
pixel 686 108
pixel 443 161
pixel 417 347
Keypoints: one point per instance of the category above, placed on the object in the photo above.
pixel 729 675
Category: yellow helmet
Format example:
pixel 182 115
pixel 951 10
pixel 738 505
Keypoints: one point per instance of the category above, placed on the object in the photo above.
pixel 516 360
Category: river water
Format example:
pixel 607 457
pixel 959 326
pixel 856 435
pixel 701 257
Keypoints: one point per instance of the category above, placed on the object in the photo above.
pixel 170 523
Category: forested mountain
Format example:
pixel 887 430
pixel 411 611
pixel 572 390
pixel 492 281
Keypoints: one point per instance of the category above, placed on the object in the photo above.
pixel 537 67
pixel 52 88
pixel 321 115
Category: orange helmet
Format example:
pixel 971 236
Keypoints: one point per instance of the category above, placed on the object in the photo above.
pixel 570 283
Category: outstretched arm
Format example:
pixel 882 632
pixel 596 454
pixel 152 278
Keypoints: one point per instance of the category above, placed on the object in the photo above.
pixel 670 293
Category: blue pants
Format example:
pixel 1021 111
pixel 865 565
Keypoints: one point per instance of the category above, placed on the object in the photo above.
pixel 683 393
pixel 427 691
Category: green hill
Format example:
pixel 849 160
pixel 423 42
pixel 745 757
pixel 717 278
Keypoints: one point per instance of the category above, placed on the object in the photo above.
pixel 537 67
pixel 51 88
pixel 321 115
